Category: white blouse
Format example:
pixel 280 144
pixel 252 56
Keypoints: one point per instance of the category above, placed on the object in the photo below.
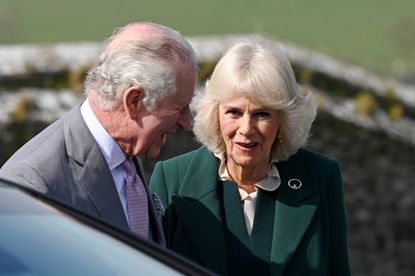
pixel 248 200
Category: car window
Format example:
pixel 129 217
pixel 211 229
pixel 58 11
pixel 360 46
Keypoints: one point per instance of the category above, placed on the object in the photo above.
pixel 36 239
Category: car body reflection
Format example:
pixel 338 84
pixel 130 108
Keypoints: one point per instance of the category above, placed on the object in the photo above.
pixel 39 236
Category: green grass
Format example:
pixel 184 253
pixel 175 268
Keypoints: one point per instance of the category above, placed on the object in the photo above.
pixel 374 33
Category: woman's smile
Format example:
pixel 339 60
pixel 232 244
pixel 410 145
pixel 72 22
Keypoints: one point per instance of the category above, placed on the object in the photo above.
pixel 246 147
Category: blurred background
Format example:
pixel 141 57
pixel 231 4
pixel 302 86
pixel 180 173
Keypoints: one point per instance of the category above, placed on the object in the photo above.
pixel 377 34
pixel 357 56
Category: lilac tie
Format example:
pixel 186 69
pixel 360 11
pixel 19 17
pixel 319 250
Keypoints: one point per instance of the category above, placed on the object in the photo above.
pixel 137 202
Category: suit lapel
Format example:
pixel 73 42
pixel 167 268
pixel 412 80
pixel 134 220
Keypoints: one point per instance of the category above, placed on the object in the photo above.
pixel 295 209
pixel 198 207
pixel 91 169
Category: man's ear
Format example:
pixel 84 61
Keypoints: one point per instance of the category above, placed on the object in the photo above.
pixel 133 101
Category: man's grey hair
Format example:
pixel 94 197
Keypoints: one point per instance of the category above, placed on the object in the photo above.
pixel 151 62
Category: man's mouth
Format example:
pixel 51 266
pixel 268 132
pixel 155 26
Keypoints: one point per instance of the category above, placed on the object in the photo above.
pixel 164 138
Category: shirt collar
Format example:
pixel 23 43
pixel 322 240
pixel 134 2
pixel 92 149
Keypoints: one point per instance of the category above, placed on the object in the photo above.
pixel 244 194
pixel 269 183
pixel 112 152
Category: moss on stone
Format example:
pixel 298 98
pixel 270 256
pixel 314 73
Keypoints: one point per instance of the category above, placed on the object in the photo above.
pixel 366 103
pixel 22 110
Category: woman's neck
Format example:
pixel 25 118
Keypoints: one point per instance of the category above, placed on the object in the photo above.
pixel 246 177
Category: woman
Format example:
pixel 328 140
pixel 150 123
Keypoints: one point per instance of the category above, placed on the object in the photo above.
pixel 251 200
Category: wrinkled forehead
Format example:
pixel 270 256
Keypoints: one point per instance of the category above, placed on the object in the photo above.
pixel 260 95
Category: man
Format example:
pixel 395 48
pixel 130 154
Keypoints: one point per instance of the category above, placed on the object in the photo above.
pixel 137 94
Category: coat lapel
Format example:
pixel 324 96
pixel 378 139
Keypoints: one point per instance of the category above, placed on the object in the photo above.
pixel 198 207
pixel 295 209
pixel 91 170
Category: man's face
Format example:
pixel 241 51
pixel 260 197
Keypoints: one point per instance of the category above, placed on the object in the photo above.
pixel 172 112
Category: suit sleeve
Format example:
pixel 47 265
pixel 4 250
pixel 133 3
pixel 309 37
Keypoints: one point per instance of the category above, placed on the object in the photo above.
pixel 26 176
pixel 338 248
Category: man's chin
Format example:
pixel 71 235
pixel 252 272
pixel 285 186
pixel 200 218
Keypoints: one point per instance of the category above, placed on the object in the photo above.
pixel 153 152
pixel 155 149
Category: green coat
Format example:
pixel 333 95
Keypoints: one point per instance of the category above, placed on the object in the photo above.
pixel 310 231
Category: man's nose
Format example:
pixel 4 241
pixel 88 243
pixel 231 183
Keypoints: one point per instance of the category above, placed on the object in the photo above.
pixel 184 121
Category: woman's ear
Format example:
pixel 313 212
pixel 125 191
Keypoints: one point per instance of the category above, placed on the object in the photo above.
pixel 133 101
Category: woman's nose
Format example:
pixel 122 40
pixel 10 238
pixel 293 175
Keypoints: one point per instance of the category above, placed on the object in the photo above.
pixel 245 127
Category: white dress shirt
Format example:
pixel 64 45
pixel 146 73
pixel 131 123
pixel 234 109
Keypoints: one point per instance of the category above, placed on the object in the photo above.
pixel 248 200
pixel 112 152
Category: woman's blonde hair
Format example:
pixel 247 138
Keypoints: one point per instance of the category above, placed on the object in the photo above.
pixel 263 73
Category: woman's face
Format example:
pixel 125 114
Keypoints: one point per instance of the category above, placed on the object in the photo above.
pixel 249 131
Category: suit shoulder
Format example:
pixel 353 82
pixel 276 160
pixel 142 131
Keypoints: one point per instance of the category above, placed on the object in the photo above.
pixel 41 147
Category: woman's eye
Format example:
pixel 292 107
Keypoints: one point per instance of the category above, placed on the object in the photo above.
pixel 233 112
pixel 262 114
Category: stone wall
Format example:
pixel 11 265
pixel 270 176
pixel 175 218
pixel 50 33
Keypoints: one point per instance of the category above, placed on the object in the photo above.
pixel 379 192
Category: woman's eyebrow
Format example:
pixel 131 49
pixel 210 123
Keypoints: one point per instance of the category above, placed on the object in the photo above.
pixel 231 107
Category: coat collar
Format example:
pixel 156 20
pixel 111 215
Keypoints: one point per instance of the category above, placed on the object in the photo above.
pixel 91 170
pixel 198 206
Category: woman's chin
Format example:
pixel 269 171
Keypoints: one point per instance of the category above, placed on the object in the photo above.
pixel 247 162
